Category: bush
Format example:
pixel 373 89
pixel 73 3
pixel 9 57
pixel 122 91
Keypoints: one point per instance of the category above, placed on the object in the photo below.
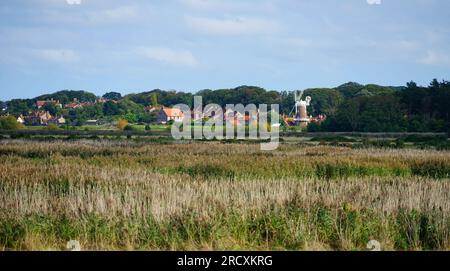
pixel 147 128
pixel 314 127
pixel 10 123
pixel 122 124
pixel 128 128
pixel 399 143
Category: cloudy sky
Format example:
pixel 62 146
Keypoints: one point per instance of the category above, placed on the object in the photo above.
pixel 137 45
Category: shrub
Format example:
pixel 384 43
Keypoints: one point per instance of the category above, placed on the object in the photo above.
pixel 314 127
pixel 128 128
pixel 10 123
pixel 122 124
pixel 399 143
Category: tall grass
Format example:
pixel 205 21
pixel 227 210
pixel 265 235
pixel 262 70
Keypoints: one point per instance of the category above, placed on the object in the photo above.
pixel 119 195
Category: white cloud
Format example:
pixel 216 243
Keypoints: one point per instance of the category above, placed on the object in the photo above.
pixel 237 26
pixel 73 2
pixel 97 15
pixel 60 55
pixel 120 14
pixel 225 6
pixel 169 56
pixel 206 4
pixel 374 2
pixel 433 57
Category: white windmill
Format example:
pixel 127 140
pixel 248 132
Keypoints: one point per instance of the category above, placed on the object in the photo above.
pixel 301 114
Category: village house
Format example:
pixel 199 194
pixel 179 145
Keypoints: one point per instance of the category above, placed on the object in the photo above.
pixel 77 104
pixel 57 120
pixel 40 104
pixel 21 119
pixel 150 109
pixel 73 105
pixel 230 114
pixel 319 119
pixel 38 118
pixel 167 114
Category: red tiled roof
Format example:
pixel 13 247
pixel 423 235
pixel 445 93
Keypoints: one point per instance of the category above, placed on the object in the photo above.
pixel 172 112
pixel 40 103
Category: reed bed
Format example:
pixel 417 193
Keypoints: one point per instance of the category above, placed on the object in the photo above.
pixel 116 195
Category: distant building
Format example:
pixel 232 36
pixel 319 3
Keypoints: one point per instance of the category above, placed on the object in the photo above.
pixel 319 119
pixel 72 105
pixel 57 121
pixel 150 109
pixel 76 104
pixel 231 115
pixel 38 118
pixel 167 114
pixel 91 122
pixel 21 119
pixel 40 104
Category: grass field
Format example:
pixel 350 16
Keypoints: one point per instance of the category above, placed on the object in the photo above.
pixel 130 195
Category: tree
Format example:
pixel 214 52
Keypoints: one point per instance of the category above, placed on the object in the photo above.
pixel 10 123
pixel 128 106
pixel 434 84
pixel 111 109
pixel 18 107
pixel 51 108
pixel 324 101
pixel 382 113
pixel 66 96
pixel 314 127
pixel 411 85
pixel 349 89
pixel 131 117
pixel 154 99
pixel 2 105
pixel 122 124
pixel 93 111
pixel 112 96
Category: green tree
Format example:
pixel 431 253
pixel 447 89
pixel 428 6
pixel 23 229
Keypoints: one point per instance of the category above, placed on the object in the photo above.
pixel 112 96
pixel 154 99
pixel 51 108
pixel 66 96
pixel 131 117
pixel 10 123
pixel 111 109
pixel 18 107
pixel 324 101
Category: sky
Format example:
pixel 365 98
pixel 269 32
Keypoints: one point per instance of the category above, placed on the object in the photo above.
pixel 188 45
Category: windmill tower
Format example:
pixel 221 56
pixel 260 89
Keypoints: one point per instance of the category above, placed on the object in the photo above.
pixel 301 114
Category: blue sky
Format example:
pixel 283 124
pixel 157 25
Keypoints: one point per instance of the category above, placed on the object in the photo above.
pixel 188 45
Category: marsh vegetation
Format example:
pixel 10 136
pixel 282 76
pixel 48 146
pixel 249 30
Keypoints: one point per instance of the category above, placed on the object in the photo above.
pixel 125 195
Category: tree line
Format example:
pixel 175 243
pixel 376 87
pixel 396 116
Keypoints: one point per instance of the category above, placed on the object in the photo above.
pixel 349 107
